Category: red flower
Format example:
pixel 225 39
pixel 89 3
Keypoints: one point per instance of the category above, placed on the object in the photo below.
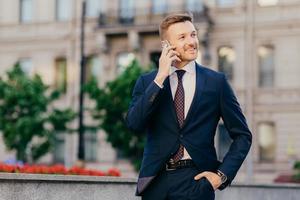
pixel 56 169
pixel 113 172
pixel 8 168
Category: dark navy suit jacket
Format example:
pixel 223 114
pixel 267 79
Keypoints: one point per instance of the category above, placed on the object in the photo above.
pixel 152 111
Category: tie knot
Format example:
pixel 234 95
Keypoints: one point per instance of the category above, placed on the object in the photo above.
pixel 180 74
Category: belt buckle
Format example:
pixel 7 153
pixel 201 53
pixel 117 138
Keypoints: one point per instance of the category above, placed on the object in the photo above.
pixel 169 169
pixel 171 161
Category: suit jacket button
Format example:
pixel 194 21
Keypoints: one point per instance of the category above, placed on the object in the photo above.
pixel 181 135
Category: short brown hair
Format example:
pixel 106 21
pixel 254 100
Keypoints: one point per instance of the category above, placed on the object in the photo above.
pixel 173 19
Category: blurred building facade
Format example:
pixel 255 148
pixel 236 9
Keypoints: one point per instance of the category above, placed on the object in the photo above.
pixel 255 42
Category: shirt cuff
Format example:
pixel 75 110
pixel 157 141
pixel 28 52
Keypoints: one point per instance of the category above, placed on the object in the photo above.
pixel 159 85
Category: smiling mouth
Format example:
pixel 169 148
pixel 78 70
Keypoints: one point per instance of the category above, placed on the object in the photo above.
pixel 192 50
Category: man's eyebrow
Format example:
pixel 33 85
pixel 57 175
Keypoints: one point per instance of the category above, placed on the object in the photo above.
pixel 180 34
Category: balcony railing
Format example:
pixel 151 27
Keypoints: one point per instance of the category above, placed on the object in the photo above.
pixel 146 16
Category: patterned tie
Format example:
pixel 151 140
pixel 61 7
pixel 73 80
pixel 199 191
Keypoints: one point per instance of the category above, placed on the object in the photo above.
pixel 179 107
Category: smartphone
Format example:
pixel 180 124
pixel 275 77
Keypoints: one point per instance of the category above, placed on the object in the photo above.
pixel 165 44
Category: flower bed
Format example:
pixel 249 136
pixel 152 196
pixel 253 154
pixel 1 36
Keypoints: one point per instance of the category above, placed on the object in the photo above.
pixel 286 178
pixel 290 178
pixel 56 169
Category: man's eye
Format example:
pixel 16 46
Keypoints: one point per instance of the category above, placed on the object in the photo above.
pixel 193 34
pixel 181 37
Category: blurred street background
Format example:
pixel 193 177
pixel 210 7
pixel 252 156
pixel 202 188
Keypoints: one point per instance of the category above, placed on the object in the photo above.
pixel 88 61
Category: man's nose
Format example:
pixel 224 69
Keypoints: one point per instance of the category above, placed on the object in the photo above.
pixel 191 41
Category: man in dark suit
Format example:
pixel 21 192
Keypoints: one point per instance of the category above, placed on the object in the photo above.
pixel 179 107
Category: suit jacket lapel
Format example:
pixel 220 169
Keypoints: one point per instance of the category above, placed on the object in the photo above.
pixel 200 83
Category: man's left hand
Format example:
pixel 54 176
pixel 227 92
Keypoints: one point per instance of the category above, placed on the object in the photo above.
pixel 212 177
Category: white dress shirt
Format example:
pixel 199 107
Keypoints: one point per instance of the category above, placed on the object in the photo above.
pixel 189 85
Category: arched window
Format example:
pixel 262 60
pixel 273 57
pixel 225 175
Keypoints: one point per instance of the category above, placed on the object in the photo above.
pixel 63 10
pixel 124 59
pixel 60 81
pixel 226 3
pixel 266 141
pixel 94 68
pixel 267 2
pixel 26 11
pixel 95 7
pixel 226 59
pixel 27 66
pixel 159 6
pixel 126 11
pixel 266 66
pixel 194 5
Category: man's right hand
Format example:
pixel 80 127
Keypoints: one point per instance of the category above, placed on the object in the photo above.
pixel 168 55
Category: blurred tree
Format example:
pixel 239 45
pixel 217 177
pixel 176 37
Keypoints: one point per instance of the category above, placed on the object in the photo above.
pixel 28 121
pixel 296 175
pixel 111 107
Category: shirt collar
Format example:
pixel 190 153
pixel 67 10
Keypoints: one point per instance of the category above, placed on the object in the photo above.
pixel 189 68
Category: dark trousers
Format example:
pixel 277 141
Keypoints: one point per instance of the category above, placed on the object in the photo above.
pixel 179 185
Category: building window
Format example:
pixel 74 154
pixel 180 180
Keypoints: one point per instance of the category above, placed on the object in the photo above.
pixel 159 6
pixel 226 59
pixel 61 74
pixel 93 68
pixel 267 2
pixel 26 65
pixel 26 11
pixel 226 3
pixel 224 141
pixel 59 148
pixel 91 145
pixel 154 58
pixel 194 5
pixel 266 66
pixel 126 11
pixel 63 10
pixel 95 7
pixel 123 61
pixel 266 142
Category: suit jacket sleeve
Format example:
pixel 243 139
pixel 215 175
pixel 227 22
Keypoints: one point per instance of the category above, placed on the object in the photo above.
pixel 143 103
pixel 238 130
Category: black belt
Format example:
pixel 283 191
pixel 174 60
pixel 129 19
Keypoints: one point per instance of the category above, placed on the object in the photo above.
pixel 179 165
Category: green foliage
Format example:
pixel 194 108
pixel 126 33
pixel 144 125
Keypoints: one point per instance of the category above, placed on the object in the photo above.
pixel 297 165
pixel 112 103
pixel 27 120
pixel 296 176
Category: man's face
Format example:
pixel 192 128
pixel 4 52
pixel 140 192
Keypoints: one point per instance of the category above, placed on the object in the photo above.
pixel 183 36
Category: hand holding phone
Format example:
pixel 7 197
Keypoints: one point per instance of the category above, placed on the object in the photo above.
pixel 167 58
